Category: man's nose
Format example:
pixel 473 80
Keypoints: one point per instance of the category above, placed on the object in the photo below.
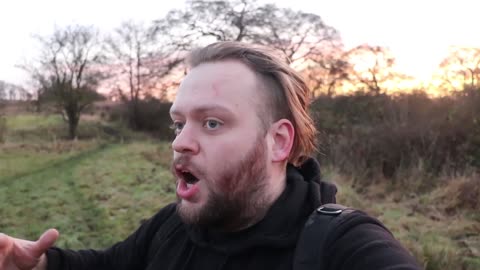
pixel 185 141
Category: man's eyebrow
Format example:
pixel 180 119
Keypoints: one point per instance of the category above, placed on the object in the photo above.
pixel 203 109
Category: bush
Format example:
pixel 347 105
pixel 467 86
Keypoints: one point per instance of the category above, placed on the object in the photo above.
pixel 459 193
pixel 150 115
pixel 384 136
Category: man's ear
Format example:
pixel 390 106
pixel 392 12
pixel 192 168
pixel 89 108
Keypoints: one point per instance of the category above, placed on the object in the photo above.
pixel 283 134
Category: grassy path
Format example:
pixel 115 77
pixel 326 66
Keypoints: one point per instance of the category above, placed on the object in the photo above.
pixel 94 197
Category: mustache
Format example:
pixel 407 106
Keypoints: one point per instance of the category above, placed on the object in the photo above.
pixel 184 162
pixel 181 160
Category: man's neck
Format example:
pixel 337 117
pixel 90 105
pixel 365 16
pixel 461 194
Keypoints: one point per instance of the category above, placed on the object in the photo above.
pixel 275 188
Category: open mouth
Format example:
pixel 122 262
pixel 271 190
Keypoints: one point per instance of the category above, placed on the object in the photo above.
pixel 188 177
pixel 186 185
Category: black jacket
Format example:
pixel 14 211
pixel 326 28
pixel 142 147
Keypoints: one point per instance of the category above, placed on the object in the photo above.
pixel 164 242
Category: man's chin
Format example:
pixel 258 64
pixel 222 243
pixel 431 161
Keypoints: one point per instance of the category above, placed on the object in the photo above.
pixel 189 212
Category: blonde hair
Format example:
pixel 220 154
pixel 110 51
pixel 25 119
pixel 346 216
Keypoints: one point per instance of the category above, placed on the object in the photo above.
pixel 286 92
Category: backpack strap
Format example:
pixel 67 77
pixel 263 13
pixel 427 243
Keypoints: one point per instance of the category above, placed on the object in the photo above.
pixel 312 241
pixel 328 191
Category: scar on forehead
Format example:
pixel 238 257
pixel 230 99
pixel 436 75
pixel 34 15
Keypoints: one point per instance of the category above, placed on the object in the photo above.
pixel 216 89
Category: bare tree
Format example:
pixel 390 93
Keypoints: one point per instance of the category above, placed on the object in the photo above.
pixel 297 34
pixel 462 68
pixel 326 73
pixel 12 94
pixel 213 20
pixel 139 59
pixel 305 40
pixel 372 67
pixel 3 90
pixel 67 71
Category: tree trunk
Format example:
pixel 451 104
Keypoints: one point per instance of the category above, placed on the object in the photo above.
pixel 135 121
pixel 73 120
pixel 72 128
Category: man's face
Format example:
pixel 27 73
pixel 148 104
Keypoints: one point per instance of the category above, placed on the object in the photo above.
pixel 220 151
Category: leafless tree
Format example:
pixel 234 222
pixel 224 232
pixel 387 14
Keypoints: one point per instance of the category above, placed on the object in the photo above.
pixel 372 67
pixel 68 71
pixel 326 73
pixel 3 91
pixel 139 59
pixel 462 68
pixel 207 21
pixel 297 34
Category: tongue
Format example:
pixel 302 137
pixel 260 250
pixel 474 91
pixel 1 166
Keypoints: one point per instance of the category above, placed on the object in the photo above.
pixel 186 191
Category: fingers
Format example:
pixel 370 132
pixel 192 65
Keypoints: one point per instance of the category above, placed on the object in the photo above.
pixel 45 241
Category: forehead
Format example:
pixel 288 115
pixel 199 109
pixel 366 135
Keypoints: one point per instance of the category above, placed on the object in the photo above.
pixel 230 84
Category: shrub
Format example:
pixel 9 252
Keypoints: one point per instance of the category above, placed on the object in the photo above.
pixel 381 136
pixel 151 115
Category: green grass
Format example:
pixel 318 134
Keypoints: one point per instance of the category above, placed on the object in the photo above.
pixel 38 129
pixel 32 121
pixel 95 190
pixel 94 197
pixel 24 159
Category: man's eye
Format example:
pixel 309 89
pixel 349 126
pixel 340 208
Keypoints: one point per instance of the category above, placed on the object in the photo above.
pixel 177 127
pixel 212 124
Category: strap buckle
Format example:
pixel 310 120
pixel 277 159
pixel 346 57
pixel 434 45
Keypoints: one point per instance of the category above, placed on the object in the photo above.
pixel 329 210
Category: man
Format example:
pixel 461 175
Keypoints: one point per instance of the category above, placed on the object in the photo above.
pixel 245 186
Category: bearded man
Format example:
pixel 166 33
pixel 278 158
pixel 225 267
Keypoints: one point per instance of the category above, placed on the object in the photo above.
pixel 245 183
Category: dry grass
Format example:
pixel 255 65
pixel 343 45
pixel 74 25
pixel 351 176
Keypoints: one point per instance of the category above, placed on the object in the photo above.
pixel 423 223
pixel 459 194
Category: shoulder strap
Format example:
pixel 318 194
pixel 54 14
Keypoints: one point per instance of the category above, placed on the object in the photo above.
pixel 327 192
pixel 310 246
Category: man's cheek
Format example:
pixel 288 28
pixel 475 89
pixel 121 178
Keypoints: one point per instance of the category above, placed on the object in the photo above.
pixel 224 182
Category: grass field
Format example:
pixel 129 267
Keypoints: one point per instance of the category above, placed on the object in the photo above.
pixel 98 189
pixel 95 191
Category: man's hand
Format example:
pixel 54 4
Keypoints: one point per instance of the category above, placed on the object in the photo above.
pixel 19 254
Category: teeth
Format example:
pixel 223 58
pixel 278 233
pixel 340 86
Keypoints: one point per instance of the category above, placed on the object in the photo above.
pixel 189 185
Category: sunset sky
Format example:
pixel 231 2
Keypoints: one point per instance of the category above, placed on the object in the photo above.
pixel 417 32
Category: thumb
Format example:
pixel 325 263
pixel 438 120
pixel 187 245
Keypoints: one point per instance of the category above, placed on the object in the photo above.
pixel 45 241
pixel 4 240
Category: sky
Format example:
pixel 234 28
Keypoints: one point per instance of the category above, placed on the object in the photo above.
pixel 418 32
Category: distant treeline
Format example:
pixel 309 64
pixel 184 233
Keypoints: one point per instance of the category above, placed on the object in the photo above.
pixel 376 136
